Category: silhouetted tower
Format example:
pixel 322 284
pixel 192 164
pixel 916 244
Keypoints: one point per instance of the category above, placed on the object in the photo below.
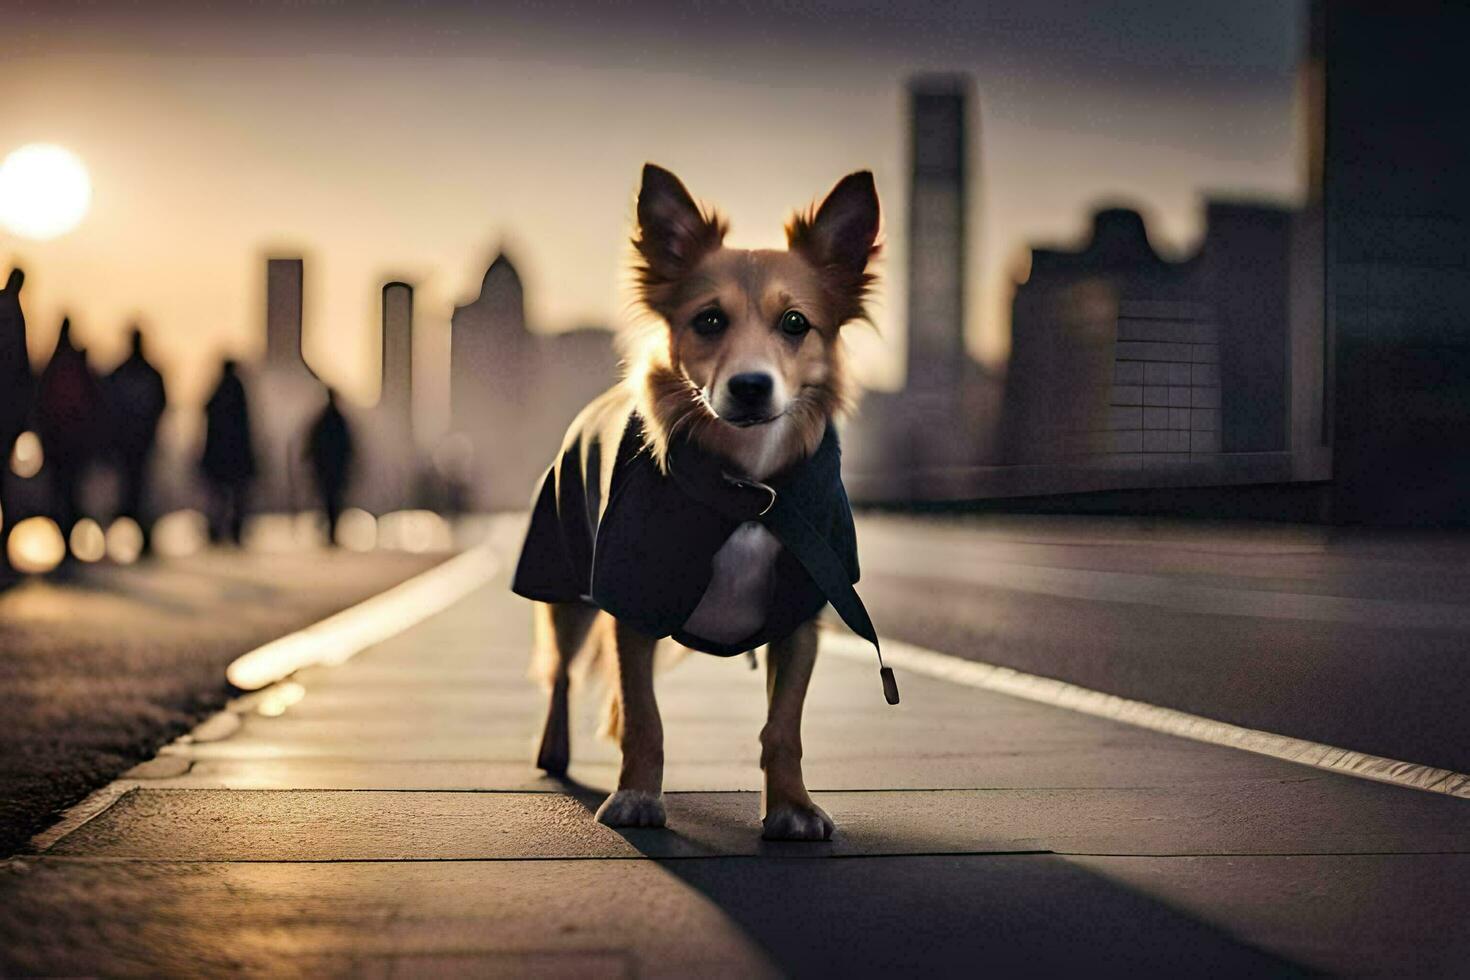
pixel 282 313
pixel 395 400
pixel 938 199
pixel 489 348
pixel 514 392
pixel 284 392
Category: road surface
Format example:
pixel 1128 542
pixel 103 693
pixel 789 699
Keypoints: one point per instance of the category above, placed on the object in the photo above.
pixel 384 820
pixel 1353 638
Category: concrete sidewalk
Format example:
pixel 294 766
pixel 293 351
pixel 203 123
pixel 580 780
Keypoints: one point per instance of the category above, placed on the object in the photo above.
pixel 102 666
pixel 388 823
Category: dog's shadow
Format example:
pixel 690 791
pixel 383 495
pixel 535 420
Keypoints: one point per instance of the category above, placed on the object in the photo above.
pixel 819 909
pixel 717 827
pixel 588 796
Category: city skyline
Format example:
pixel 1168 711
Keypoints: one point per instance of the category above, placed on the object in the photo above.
pixel 480 154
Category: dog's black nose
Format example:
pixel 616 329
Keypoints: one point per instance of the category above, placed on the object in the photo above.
pixel 751 389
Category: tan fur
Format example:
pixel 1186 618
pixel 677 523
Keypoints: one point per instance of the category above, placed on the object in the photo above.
pixel 671 374
pixel 676 376
pixel 672 402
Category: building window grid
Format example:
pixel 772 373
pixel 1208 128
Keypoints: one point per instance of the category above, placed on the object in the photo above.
pixel 1165 392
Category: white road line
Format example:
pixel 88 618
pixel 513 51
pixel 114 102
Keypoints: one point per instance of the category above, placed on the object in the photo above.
pixel 1045 690
pixel 339 637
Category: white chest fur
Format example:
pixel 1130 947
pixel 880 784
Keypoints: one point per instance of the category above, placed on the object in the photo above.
pixel 734 605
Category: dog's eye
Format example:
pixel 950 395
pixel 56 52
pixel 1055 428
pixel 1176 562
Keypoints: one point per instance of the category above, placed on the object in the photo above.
pixel 794 323
pixel 710 321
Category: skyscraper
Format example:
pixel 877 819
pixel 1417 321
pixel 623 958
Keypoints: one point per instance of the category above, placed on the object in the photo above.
pixel 283 392
pixel 942 422
pixel 487 349
pixel 514 391
pixel 938 199
pixel 395 400
pixel 283 313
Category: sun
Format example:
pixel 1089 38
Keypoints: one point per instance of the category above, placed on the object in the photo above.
pixel 44 191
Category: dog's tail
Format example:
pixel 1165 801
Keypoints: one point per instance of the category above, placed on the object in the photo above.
pixel 594 668
pixel 602 670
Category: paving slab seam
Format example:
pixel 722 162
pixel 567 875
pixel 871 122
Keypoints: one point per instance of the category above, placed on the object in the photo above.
pixel 75 817
pixel 539 791
pixel 81 859
pixel 1140 714
pixel 85 859
pixel 124 786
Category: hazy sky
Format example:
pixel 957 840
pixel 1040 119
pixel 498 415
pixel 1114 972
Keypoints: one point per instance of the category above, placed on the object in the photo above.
pixel 413 140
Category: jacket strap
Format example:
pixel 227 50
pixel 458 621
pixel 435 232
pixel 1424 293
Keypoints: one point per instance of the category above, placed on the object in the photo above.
pixel 831 576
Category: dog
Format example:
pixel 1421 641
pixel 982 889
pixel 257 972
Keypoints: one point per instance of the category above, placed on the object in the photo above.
pixel 701 497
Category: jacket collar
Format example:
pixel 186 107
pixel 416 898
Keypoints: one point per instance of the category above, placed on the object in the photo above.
pixel 707 479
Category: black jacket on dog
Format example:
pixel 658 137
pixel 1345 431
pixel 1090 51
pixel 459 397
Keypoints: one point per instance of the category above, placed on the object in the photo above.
pixel 639 543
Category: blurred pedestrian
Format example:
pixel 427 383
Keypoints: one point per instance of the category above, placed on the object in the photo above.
pixel 68 419
pixel 229 455
pixel 16 391
pixel 329 450
pixel 16 382
pixel 17 388
pixel 136 399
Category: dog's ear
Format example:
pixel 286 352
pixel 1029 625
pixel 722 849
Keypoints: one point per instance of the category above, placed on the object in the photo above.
pixel 840 237
pixel 673 233
pixel 842 231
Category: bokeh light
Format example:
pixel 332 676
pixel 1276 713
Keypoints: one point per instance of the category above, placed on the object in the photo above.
pixel 415 531
pixel 275 699
pixel 124 541
pixel 271 533
pixel 88 543
pixel 357 530
pixel 180 533
pixel 27 456
pixel 36 546
pixel 308 529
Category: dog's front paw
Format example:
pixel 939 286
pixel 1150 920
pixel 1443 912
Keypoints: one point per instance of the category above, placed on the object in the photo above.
pixel 796 822
pixel 632 808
